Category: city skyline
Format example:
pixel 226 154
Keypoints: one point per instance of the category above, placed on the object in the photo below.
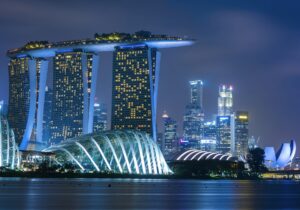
pixel 254 91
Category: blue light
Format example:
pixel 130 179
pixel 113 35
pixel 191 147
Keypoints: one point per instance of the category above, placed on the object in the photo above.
pixel 64 50
pixel 132 46
pixel 21 56
pixel 224 118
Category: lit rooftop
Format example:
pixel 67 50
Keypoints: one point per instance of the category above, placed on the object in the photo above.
pixel 100 43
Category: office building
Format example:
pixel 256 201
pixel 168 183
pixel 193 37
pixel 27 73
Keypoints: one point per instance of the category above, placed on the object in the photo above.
pixel 225 101
pixel 209 139
pixel 225 121
pixel 100 117
pixel 241 133
pixel 170 135
pixel 194 116
pixel 225 134
pixel 193 125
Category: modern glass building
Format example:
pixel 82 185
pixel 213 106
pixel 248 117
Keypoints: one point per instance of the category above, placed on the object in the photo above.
pixel 75 67
pixel 194 116
pixel 225 100
pixel 209 139
pixel 100 117
pixel 225 121
pixel 225 134
pixel 193 125
pixel 241 133
pixel 129 152
pixel 196 87
pixel 170 135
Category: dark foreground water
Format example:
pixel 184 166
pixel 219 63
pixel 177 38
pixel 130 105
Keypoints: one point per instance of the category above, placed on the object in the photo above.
pixel 140 194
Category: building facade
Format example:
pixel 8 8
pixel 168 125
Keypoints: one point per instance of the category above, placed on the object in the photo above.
pixel 225 100
pixel 225 134
pixel 134 95
pixel 73 98
pixel 225 121
pixel 170 135
pixel 209 139
pixel 100 117
pixel 27 79
pixel 241 133
pixel 194 116
pixel 47 122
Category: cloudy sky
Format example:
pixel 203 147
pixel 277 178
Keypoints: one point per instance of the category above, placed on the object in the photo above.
pixel 252 44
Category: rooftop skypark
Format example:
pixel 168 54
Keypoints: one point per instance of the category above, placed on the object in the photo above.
pixel 101 42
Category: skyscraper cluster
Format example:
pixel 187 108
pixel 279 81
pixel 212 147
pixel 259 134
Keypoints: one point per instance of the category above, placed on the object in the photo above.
pixel 227 133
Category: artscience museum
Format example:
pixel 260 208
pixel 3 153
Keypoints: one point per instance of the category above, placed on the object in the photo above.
pixel 282 157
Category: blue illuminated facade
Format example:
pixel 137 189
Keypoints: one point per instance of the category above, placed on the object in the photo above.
pixel 282 157
pixel 75 70
pixel 225 134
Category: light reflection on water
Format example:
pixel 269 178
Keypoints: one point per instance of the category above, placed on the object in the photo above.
pixel 140 194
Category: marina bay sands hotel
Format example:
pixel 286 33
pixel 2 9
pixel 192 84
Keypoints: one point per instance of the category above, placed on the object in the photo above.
pixel 136 67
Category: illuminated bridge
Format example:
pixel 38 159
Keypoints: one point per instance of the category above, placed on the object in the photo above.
pixel 129 152
pixel 136 66
pixel 198 155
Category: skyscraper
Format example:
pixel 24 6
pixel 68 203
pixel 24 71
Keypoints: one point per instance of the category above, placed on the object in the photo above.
pixel 209 138
pixel 225 120
pixel 197 93
pixel 193 126
pixel 100 117
pixel 194 116
pixel 170 135
pixel 27 79
pixel 225 134
pixel 73 96
pixel 225 101
pixel 241 133
pixel 135 82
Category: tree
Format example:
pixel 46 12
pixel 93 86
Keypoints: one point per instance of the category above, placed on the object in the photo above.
pixel 255 161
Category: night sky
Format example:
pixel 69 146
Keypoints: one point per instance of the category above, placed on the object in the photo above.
pixel 253 45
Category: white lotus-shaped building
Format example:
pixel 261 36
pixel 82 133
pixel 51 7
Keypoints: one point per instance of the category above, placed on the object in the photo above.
pixel 129 152
pixel 9 152
pixel 282 158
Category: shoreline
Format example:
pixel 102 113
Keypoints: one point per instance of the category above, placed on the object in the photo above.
pixel 20 174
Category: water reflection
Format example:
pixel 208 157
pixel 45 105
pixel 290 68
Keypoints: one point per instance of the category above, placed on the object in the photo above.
pixel 111 194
